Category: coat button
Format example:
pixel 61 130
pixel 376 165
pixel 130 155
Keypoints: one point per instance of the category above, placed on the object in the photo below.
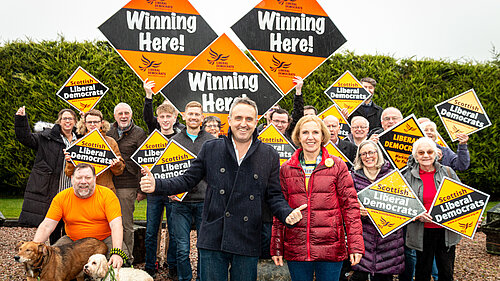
pixel 222 170
pixel 252 197
pixel 222 191
pixel 255 176
pixel 245 218
pixel 227 214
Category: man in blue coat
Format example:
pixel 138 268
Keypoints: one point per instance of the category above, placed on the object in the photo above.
pixel 242 173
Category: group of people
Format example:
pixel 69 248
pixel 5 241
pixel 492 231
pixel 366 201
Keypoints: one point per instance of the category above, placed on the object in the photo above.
pixel 241 202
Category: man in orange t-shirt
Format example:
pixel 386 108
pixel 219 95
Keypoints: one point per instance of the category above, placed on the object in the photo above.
pixel 88 210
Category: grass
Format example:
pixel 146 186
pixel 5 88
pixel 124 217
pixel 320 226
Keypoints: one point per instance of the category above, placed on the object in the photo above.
pixel 11 208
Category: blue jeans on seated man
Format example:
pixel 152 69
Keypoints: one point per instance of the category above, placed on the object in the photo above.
pixel 154 218
pixel 305 270
pixel 214 265
pixel 182 216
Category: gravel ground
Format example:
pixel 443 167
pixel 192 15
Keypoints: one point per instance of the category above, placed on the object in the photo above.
pixel 472 262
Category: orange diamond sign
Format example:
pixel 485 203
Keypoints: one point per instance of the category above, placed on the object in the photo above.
pixel 150 150
pixel 157 38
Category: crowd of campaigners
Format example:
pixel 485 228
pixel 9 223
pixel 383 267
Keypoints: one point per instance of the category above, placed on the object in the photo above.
pixel 243 205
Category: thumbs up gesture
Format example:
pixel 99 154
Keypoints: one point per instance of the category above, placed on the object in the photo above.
pixel 147 181
pixel 295 216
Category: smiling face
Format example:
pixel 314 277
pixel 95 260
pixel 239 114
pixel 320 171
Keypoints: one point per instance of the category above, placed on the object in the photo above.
pixel 310 137
pixel 67 121
pixel 390 117
pixel 83 181
pixel 193 117
pixel 359 129
pixel 425 155
pixel 123 116
pixel 430 132
pixel 369 156
pixel 280 121
pixel 166 120
pixel 213 128
pixel 242 121
pixel 93 122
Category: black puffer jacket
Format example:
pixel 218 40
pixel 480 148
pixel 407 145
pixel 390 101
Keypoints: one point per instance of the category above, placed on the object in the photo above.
pixel 43 183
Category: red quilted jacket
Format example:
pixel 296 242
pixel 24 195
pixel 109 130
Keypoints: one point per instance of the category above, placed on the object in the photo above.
pixel 331 203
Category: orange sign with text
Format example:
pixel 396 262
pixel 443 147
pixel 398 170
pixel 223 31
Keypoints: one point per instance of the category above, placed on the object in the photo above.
pixel 274 138
pixel 150 150
pixel 345 128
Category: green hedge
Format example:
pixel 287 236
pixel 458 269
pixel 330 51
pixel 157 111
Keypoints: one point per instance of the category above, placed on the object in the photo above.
pixel 32 73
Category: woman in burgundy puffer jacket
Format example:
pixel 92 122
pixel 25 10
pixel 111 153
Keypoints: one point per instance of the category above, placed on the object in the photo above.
pixel 383 256
pixel 320 183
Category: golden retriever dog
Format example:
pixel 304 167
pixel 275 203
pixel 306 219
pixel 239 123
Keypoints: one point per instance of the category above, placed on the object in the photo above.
pixel 57 263
pixel 97 268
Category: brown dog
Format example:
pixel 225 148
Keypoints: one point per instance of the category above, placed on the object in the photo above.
pixel 58 263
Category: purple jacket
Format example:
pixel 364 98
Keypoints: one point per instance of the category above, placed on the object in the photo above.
pixel 384 256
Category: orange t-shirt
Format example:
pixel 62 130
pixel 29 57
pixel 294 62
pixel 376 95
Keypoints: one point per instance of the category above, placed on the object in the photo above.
pixel 85 217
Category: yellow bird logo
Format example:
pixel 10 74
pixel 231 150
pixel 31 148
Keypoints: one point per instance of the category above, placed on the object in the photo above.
pixel 216 57
pixel 409 128
pixel 384 223
pixel 146 63
pixel 279 64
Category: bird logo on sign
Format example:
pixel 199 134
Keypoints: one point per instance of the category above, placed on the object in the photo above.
pixel 465 226
pixel 279 64
pixel 216 57
pixel 384 223
pixel 148 64
pixel 281 2
pixel 409 128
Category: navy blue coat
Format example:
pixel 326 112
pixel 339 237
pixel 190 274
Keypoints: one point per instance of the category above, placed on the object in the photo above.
pixel 232 213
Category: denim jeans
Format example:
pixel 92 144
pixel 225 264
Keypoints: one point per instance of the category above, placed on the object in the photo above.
pixel 182 216
pixel 435 271
pixel 410 261
pixel 154 218
pixel 305 270
pixel 214 266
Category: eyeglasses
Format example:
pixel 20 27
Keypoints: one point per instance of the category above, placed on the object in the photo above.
pixel 280 122
pixel 67 118
pixel 422 153
pixel 212 126
pixel 368 153
pixel 93 122
pixel 393 118
pixel 359 127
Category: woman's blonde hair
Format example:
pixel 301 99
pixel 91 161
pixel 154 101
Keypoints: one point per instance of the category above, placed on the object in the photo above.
pixel 358 163
pixel 324 130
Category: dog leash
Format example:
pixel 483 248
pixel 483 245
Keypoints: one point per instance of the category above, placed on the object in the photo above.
pixel 111 273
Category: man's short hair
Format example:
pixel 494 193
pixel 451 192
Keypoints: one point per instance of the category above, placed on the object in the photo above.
pixel 281 111
pixel 193 104
pixel 211 118
pixel 369 80
pixel 311 107
pixel 59 115
pixel 356 118
pixel 166 108
pixel 122 104
pixel 324 130
pixel 243 100
pixel 82 166
pixel 93 112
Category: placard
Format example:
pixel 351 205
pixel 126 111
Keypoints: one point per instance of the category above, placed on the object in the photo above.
pixel 274 138
pixel 345 128
pixel 335 151
pixel 92 149
pixel 288 38
pixel 173 162
pixel 463 114
pixel 82 90
pixel 219 74
pixel 390 203
pixel 397 141
pixel 347 92
pixel 458 207
pixel 150 150
pixel 157 39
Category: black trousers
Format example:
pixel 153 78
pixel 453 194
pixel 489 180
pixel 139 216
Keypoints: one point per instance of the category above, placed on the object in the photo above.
pixel 434 246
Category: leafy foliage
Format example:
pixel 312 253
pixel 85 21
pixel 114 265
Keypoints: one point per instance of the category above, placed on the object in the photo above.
pixel 32 73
